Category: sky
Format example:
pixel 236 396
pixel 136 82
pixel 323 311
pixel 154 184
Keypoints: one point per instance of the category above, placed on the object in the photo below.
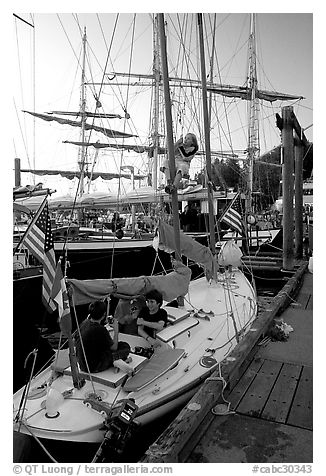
pixel 46 77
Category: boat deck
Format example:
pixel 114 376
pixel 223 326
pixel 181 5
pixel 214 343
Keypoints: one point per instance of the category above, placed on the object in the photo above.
pixel 267 415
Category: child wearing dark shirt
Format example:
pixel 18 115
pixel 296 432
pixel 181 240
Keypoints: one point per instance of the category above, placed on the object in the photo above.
pixel 152 319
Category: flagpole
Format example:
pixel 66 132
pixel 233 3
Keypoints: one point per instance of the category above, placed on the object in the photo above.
pixel 65 325
pixel 38 213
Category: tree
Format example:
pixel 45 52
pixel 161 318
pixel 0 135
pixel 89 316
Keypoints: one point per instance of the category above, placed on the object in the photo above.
pixel 225 174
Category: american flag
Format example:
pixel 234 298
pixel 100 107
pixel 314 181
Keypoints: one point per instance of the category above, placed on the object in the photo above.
pixel 232 216
pixel 39 241
pixel 60 297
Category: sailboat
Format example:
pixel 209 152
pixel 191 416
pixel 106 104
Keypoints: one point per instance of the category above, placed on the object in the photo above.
pixel 214 312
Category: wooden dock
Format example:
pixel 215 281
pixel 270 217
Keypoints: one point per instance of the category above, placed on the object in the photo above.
pixel 264 413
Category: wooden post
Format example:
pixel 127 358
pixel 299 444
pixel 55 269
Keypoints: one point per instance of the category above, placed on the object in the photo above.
pixel 298 211
pixel 287 183
pixel 133 219
pixel 17 172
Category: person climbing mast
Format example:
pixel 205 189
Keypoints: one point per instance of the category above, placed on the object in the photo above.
pixel 185 150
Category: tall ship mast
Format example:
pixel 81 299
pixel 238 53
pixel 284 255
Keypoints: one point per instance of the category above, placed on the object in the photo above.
pixel 253 111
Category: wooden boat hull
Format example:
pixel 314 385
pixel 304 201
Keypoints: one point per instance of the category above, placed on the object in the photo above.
pixel 206 333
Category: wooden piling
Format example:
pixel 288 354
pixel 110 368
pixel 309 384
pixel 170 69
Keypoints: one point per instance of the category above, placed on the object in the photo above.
pixel 298 210
pixel 17 172
pixel 287 187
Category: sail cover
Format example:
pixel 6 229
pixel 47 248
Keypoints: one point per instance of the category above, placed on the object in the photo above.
pixel 140 149
pixel 189 248
pixel 103 130
pixel 244 92
pixel 170 285
pixel 71 174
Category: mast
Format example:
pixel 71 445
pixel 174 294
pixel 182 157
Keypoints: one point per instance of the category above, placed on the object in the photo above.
pixel 83 150
pixel 207 134
pixel 168 115
pixel 156 75
pixel 253 131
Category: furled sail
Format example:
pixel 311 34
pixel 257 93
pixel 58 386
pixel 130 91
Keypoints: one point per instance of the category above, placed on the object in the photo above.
pixel 143 148
pixel 71 174
pixel 98 115
pixel 244 92
pixel 103 130
pixel 171 286
pixel 188 247
pixel 140 149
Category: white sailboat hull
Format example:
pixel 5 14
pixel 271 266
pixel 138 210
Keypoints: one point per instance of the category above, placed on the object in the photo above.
pixel 209 332
pixel 207 336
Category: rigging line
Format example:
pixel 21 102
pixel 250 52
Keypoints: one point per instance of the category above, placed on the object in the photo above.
pixel 22 95
pixel 24 21
pixel 39 442
pixel 82 344
pixel 23 137
pixel 189 98
pixel 124 124
pixel 34 95
pixel 109 49
pixel 224 105
pixel 112 65
pixel 187 52
pixel 104 71
pixel 72 48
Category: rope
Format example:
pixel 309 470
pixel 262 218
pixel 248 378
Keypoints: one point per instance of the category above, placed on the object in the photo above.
pixel 39 442
pixel 23 400
pixel 215 410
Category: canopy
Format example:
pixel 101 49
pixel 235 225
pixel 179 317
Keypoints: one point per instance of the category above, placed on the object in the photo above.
pixel 33 203
pixel 170 285
pixel 21 208
pixel 95 199
pixel 62 201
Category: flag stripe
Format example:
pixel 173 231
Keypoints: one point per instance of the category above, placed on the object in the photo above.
pixel 232 215
pixel 48 277
pixel 39 241
pixel 35 243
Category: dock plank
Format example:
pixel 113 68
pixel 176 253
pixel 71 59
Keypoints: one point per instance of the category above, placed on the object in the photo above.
pixel 310 303
pixel 303 299
pixel 301 413
pixel 236 394
pixel 257 394
pixel 279 402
